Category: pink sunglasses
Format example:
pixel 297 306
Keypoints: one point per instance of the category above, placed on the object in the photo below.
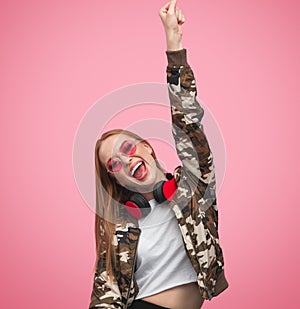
pixel 114 164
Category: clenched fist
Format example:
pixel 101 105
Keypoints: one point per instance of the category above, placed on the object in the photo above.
pixel 172 19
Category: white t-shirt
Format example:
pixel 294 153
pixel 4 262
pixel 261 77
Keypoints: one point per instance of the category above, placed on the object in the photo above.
pixel 162 261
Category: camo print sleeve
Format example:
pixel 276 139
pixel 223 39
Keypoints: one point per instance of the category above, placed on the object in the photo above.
pixel 191 143
pixel 104 294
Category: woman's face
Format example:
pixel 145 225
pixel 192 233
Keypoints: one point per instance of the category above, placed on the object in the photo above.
pixel 130 161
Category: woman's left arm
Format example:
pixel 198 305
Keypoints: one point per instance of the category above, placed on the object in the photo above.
pixel 191 143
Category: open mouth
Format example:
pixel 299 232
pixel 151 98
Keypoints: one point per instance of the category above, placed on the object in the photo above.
pixel 139 171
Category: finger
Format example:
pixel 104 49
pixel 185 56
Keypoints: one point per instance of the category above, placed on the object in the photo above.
pixel 180 15
pixel 180 21
pixel 172 6
pixel 165 7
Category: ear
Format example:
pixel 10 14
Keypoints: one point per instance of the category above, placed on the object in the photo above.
pixel 148 148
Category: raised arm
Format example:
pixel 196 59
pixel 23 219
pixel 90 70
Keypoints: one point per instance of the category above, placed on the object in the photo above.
pixel 191 144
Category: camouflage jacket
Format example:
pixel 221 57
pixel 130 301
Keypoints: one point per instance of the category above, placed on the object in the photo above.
pixel 194 203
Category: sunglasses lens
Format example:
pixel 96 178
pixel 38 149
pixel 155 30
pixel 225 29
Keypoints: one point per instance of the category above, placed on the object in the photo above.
pixel 128 148
pixel 114 165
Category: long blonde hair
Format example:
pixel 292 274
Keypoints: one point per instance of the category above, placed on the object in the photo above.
pixel 108 196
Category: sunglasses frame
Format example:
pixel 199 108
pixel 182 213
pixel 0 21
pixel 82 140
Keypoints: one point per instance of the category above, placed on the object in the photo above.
pixel 110 170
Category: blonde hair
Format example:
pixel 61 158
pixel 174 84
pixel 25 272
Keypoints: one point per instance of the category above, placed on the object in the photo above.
pixel 109 194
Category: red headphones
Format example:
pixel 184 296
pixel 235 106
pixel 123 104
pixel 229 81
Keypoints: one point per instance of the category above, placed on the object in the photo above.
pixel 138 206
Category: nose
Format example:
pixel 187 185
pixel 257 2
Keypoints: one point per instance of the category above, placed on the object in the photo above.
pixel 125 159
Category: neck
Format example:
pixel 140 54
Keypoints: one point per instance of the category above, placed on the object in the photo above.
pixel 149 196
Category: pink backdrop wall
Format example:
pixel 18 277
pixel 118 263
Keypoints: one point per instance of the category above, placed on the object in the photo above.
pixel 59 57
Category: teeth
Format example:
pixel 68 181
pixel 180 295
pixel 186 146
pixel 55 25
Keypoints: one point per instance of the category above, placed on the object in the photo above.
pixel 135 168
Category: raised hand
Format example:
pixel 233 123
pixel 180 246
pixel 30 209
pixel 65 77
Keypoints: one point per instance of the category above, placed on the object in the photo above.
pixel 172 19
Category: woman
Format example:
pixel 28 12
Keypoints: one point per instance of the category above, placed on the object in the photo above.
pixel 164 251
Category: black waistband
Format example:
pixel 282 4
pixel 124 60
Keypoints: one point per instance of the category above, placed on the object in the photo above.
pixel 143 304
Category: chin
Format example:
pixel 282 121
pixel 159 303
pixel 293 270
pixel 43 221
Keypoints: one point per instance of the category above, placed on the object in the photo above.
pixel 145 186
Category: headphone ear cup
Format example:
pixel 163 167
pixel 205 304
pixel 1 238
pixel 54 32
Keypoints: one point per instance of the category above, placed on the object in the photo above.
pixel 138 206
pixel 158 192
pixel 164 190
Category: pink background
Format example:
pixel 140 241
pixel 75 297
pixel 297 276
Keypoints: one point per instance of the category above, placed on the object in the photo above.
pixel 59 57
